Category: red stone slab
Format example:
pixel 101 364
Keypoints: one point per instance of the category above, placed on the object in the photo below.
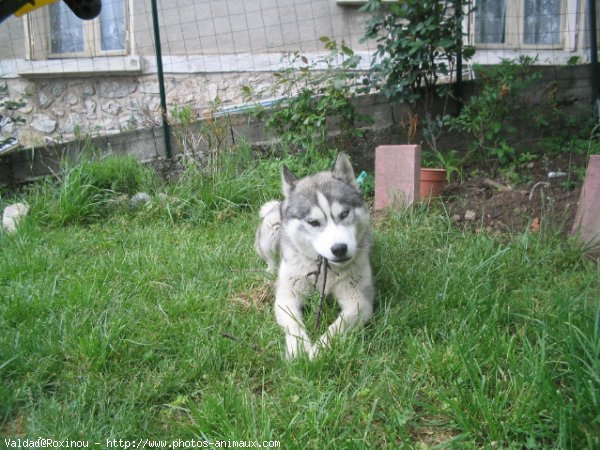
pixel 587 219
pixel 397 175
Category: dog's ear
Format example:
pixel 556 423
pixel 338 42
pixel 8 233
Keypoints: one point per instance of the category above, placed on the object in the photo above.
pixel 288 181
pixel 342 170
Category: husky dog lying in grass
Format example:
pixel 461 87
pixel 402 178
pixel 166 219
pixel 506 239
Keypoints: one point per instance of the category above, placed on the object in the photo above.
pixel 321 232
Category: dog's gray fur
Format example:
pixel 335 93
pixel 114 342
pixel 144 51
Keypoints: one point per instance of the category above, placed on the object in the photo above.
pixel 322 217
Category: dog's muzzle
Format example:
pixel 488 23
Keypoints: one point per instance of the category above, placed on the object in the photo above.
pixel 339 250
pixel 340 253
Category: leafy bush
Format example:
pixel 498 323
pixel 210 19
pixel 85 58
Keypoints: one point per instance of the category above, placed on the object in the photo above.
pixel 492 116
pixel 310 94
pixel 417 42
pixel 451 160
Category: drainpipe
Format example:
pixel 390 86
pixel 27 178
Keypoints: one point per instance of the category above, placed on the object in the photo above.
pixel 593 50
pixel 161 81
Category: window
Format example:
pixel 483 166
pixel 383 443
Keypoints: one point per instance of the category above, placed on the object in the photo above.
pixel 490 17
pixel 519 23
pixel 542 22
pixel 55 32
pixel 66 30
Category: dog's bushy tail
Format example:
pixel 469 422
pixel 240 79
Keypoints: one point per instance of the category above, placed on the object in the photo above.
pixel 267 234
pixel 268 208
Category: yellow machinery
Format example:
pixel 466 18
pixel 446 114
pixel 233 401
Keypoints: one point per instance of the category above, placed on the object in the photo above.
pixel 30 7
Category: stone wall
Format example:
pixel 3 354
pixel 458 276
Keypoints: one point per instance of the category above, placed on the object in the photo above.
pixel 56 109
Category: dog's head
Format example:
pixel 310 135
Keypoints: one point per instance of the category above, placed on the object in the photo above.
pixel 324 214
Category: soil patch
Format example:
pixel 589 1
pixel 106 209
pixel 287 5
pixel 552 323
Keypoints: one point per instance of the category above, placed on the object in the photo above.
pixel 474 204
pixel 544 200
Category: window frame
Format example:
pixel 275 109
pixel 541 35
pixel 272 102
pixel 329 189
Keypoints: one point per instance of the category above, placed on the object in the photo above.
pixel 514 29
pixel 39 39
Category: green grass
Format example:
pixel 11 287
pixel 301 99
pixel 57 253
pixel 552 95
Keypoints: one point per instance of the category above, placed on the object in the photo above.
pixel 127 326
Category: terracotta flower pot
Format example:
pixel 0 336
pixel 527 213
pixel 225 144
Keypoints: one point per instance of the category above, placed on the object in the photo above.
pixel 432 181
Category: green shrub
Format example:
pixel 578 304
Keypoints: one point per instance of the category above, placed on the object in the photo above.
pixel 417 42
pixel 310 95
pixel 492 117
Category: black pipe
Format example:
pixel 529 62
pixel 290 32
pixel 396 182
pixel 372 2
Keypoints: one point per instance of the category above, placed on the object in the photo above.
pixel 593 49
pixel 9 7
pixel 161 81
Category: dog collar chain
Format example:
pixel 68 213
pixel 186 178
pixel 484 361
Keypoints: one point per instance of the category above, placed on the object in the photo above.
pixel 317 273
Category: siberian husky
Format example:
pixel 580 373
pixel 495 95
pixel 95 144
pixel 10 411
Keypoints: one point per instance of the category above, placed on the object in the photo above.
pixel 322 223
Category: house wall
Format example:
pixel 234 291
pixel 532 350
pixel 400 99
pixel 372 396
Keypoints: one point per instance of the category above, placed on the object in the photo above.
pixel 213 27
pixel 12 40
pixel 57 108
pixel 211 49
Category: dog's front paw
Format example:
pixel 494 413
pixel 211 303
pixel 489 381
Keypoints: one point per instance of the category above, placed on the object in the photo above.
pixel 314 352
pixel 296 346
pixel 321 345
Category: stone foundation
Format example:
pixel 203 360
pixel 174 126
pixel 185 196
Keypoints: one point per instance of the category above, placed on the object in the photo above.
pixel 58 109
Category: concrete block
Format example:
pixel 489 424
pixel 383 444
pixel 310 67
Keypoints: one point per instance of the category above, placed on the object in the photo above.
pixel 587 218
pixel 397 175
pixel 381 115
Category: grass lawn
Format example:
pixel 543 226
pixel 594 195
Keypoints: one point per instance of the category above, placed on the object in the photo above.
pixel 144 326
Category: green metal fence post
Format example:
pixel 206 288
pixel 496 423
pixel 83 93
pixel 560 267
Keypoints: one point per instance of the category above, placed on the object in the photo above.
pixel 161 80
